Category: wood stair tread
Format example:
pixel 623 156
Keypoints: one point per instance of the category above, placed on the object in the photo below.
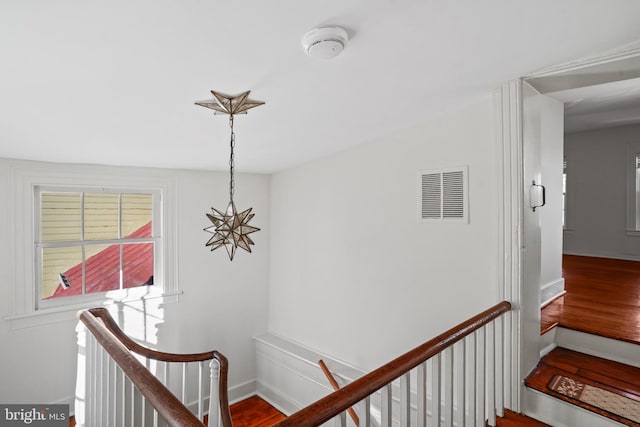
pixel 512 419
pixel 615 377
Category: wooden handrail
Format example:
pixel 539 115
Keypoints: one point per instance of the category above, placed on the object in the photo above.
pixel 120 346
pixel 338 401
pixel 336 386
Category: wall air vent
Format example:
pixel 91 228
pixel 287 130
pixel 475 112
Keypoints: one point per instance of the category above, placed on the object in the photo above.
pixel 443 195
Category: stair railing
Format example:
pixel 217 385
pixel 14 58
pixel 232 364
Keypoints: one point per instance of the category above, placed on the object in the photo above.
pixel 115 385
pixel 457 378
pixel 459 384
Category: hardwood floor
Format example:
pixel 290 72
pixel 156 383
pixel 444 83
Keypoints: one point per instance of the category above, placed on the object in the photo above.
pixel 251 412
pixel 254 412
pixel 616 377
pixel 602 298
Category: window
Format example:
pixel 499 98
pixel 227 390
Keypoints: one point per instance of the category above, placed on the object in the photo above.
pixel 564 192
pixel 637 191
pixel 633 189
pixel 92 241
pixel 73 224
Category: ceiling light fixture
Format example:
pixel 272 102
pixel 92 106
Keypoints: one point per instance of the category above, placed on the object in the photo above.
pixel 230 228
pixel 325 42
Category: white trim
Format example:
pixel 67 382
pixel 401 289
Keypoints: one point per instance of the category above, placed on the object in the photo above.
pixel 507 116
pixel 24 176
pixel 626 52
pixel 508 110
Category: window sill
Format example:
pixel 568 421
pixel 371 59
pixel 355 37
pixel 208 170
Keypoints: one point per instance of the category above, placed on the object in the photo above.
pixel 633 233
pixel 67 313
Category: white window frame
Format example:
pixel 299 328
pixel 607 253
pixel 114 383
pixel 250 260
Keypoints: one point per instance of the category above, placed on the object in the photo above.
pixel 633 190
pixel 25 310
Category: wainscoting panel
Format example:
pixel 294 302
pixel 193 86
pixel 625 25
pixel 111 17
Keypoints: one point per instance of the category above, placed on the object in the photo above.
pixel 289 376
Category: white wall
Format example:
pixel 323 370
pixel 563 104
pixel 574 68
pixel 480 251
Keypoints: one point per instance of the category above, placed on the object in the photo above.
pixel 223 307
pixel 353 273
pixel 597 183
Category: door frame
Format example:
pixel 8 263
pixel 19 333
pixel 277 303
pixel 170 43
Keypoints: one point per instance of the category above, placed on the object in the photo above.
pixel 620 64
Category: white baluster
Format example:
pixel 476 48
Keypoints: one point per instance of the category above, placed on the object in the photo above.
pixel 365 419
pixel 341 420
pixel 491 378
pixel 108 393
pixel 435 390
pixel 448 386
pixel 99 382
pixel 405 400
pixel 132 389
pixel 481 372
pixel 200 390
pixel 459 376
pixel 214 394
pixel 114 394
pixel 82 375
pixel 499 367
pixel 472 383
pixel 183 396
pixel 143 409
pixel 123 398
pixel 386 405
pixel 165 374
pixel 508 363
pixel 421 393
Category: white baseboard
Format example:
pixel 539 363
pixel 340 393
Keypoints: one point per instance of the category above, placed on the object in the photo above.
pixel 243 391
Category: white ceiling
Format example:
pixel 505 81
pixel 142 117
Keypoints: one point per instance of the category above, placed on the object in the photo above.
pixel 115 82
pixel 600 106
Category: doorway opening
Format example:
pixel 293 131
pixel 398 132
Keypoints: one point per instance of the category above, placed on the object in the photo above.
pixel 600 195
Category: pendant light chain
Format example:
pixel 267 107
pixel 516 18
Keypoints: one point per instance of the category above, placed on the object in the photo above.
pixel 231 159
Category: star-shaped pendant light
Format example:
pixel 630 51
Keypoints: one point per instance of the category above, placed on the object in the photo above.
pixel 230 228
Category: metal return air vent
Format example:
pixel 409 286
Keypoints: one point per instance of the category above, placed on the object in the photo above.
pixel 443 195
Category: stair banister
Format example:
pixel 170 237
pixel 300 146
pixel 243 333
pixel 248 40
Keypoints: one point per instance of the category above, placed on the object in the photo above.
pixel 339 401
pixel 120 347
pixel 439 350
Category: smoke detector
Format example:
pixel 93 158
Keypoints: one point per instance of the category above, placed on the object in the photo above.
pixel 325 42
